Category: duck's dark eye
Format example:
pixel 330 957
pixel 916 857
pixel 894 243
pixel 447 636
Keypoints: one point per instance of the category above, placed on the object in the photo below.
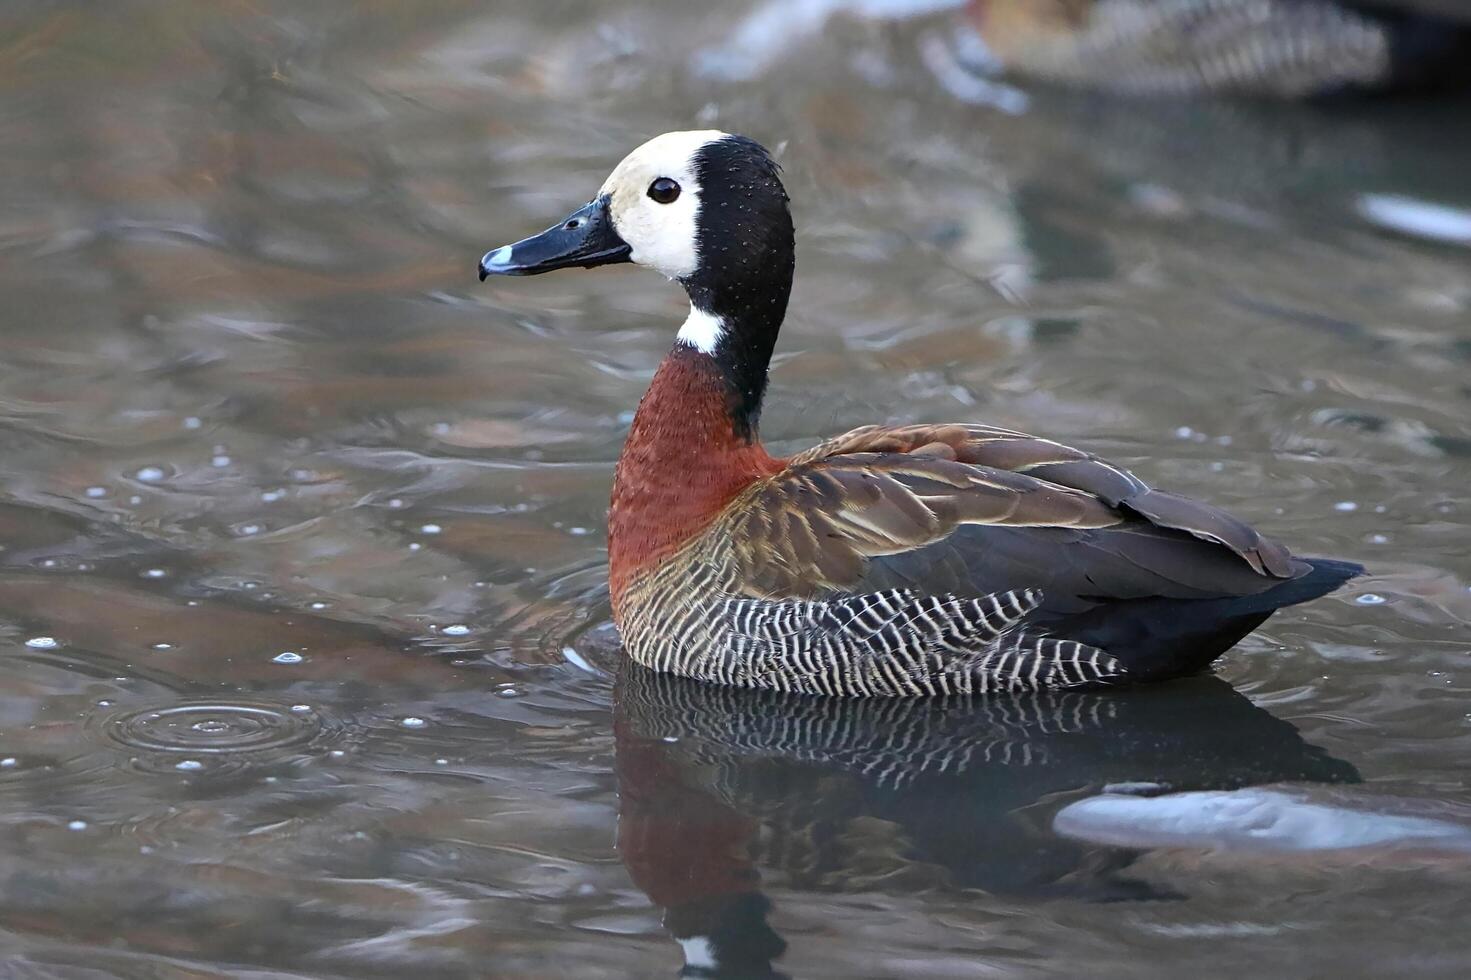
pixel 664 190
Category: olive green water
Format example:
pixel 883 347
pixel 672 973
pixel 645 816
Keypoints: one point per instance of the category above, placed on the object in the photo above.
pixel 306 663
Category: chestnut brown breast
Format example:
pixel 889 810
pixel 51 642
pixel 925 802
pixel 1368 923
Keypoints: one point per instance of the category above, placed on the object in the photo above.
pixel 681 466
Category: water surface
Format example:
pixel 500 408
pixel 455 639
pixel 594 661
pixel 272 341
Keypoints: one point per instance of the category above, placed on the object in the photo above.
pixel 302 589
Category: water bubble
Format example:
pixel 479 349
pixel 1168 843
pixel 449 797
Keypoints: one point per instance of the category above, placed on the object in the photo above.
pixel 246 530
pixel 670 738
pixel 287 657
pixel 163 646
pixel 507 692
pixel 49 563
pixel 1378 539
pixel 412 722
pixel 189 765
pixel 219 462
pixel 1184 432
pixel 9 762
pixel 271 496
pixel 193 422
pixel 135 500
pixel 77 825
pixel 155 573
pixel 441 762
pixel 395 503
pixel 430 529
pixel 1371 599
pixel 150 474
pixel 104 703
pixel 458 629
pixel 579 531
pixel 1347 506
pixel 301 709
pixel 337 753
pixel 319 605
pixel 95 492
pixel 414 546
pixel 42 643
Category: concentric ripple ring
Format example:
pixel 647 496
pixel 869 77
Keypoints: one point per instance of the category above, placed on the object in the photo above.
pixel 213 728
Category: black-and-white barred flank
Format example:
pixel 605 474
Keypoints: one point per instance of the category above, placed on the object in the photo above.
pixel 893 643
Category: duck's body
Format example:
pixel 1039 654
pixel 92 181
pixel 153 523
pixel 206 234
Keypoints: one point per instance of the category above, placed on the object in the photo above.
pixel 889 561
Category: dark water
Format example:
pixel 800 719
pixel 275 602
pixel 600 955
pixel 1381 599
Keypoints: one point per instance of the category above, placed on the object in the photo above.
pixel 302 594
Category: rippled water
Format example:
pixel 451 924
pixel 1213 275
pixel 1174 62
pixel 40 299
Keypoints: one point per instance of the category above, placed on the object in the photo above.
pixel 302 595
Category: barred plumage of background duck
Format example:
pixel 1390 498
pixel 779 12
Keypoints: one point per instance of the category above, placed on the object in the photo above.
pixel 1270 48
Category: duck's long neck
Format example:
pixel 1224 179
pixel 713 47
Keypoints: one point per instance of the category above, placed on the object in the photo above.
pixel 734 323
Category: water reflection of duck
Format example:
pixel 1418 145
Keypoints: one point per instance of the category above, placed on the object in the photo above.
pixel 1275 48
pixel 893 560
pixel 716 784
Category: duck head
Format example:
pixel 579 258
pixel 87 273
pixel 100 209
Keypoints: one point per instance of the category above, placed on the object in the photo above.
pixel 708 210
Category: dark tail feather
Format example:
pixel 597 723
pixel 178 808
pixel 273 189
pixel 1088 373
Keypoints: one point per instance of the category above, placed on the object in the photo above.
pixel 1327 575
pixel 1160 638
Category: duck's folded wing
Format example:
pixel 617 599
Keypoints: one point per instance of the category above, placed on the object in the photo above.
pixel 976 510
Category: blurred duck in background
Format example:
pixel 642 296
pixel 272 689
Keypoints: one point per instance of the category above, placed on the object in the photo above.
pixel 1289 49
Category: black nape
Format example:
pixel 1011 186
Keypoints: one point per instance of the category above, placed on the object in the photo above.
pixel 747 253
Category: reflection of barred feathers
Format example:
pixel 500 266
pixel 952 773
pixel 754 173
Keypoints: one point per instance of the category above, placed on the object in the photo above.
pixel 889 741
pixel 908 794
pixel 1281 48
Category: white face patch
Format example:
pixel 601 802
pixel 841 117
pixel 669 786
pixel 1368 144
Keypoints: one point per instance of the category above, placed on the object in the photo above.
pixel 661 236
pixel 702 330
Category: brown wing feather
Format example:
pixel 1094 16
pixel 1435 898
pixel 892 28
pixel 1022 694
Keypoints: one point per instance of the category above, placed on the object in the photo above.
pixel 884 491
pixel 1064 466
